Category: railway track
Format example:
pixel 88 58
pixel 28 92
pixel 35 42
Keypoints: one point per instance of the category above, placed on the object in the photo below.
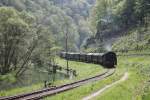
pixel 55 90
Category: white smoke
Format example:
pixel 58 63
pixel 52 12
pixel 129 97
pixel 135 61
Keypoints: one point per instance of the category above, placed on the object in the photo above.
pixel 108 47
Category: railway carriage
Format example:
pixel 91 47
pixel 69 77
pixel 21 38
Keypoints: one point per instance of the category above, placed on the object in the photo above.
pixel 71 56
pixel 100 60
pixel 108 59
pixel 89 58
pixel 76 56
pixel 95 58
pixel 83 57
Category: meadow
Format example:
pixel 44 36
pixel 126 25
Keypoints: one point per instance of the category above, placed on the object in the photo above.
pixel 136 87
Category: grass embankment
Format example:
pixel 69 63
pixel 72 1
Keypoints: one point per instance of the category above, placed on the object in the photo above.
pixel 135 52
pixel 133 88
pixel 84 70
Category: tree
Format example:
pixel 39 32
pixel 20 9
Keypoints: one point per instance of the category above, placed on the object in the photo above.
pixel 17 41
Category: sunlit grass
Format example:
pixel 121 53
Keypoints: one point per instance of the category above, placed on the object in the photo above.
pixel 131 89
pixel 134 88
pixel 84 70
pixel 80 92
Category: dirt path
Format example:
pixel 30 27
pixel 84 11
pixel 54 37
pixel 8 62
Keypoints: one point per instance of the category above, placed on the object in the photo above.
pixel 125 77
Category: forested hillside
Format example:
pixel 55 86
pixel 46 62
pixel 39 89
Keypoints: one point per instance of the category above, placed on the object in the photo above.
pixel 113 19
pixel 38 29
pixel 36 34
pixel 52 14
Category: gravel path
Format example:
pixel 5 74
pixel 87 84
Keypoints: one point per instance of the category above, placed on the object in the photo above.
pixel 90 97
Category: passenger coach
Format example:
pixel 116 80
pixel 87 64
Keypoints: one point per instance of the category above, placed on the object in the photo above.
pixel 108 59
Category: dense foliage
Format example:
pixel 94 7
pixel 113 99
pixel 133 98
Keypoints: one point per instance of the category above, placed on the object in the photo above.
pixel 16 41
pixel 54 13
pixel 115 18
pixel 121 13
pixel 33 31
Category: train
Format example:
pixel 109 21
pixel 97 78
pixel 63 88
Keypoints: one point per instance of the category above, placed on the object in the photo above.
pixel 107 60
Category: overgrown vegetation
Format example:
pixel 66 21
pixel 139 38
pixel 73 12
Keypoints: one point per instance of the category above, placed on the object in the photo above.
pixel 138 39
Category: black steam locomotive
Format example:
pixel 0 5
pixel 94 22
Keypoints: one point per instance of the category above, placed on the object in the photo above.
pixel 108 60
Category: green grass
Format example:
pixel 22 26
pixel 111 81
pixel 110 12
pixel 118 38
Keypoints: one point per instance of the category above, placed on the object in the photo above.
pixel 80 92
pixel 131 89
pixel 84 70
pixel 135 87
pixel 135 52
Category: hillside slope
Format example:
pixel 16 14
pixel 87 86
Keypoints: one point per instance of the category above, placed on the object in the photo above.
pixel 119 18
pixel 52 13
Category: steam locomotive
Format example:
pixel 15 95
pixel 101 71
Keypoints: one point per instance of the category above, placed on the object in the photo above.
pixel 108 60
